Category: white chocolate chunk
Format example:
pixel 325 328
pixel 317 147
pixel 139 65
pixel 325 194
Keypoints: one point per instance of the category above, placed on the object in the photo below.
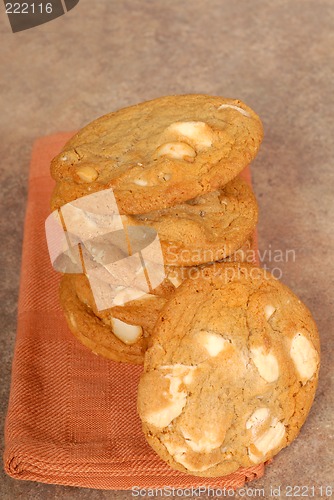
pixel 266 364
pixel 165 416
pixel 257 418
pixel 176 150
pixel 269 311
pixel 173 449
pixel 254 458
pixel 199 133
pixel 268 441
pixel 237 108
pixel 187 379
pixel 304 356
pixel 184 372
pixel 181 458
pixel 129 334
pixel 208 441
pixel 140 182
pixel 87 174
pixel 174 385
pixel 179 374
pixel 128 294
pixel 178 399
pixel 212 342
pixel 179 455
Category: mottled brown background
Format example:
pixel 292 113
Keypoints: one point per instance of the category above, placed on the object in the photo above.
pixel 275 55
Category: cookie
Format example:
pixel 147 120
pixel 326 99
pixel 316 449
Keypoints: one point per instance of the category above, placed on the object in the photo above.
pixel 158 153
pixel 205 229
pixel 123 332
pixel 234 365
pixel 99 336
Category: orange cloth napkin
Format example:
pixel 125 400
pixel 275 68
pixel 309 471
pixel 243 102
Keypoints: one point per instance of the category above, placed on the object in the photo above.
pixel 72 416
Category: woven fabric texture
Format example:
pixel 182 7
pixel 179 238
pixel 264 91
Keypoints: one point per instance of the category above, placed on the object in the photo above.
pixel 72 416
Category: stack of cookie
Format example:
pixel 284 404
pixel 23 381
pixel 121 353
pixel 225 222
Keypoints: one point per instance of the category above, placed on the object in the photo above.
pixel 173 166
pixel 232 354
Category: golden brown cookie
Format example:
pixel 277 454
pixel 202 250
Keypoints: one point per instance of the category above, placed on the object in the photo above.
pixel 158 153
pixel 205 229
pixel 234 365
pixel 98 335
pixel 123 332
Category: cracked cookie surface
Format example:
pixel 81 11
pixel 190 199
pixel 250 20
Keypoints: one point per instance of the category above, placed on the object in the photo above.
pixel 158 153
pixel 234 365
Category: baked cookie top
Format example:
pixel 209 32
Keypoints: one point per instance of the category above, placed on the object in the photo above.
pixel 158 153
pixel 205 229
pixel 234 366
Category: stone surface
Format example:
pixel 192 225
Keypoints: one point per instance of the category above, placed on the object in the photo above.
pixel 276 57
